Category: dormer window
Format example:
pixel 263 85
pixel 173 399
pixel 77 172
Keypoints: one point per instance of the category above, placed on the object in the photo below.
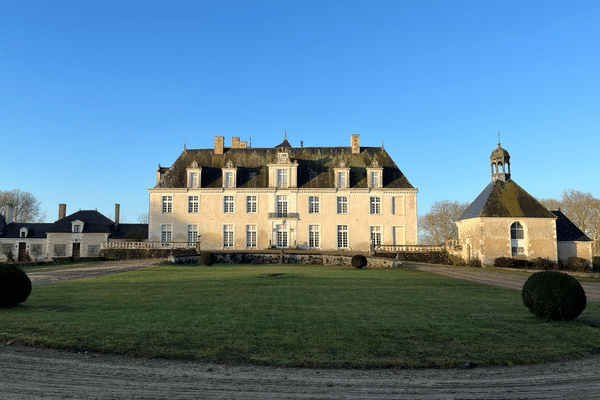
pixel 229 175
pixel 77 226
pixel 374 175
pixel 342 176
pixel 193 175
pixel 23 232
pixel 284 173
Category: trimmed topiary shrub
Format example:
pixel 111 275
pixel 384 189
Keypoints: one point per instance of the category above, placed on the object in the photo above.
pixel 577 264
pixel 207 259
pixel 456 260
pixel 554 296
pixel 15 285
pixel 359 261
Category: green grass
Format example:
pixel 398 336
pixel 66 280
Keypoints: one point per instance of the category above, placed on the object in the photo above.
pixel 295 315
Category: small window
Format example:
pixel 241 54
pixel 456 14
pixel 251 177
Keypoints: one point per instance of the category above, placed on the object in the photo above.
pixel 342 180
pixel 193 181
pixel 228 204
pixel 193 204
pixel 76 228
pixel 313 205
pixel 252 204
pixel 167 204
pixel 375 207
pixel 342 205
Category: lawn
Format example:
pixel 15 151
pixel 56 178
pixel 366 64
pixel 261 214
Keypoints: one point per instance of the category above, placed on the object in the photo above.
pixel 296 315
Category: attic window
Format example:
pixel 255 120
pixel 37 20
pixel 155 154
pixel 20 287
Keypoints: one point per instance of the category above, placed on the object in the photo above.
pixel 77 226
pixel 23 232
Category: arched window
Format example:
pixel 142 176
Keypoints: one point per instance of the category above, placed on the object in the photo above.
pixel 517 238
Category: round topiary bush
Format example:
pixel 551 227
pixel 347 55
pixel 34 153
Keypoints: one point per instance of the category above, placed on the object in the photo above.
pixel 554 295
pixel 207 259
pixel 15 285
pixel 359 261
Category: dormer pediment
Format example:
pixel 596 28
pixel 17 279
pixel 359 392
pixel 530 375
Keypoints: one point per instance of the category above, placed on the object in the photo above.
pixel 23 232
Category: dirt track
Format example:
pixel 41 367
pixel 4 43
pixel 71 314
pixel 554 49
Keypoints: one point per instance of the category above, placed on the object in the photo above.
pixel 29 373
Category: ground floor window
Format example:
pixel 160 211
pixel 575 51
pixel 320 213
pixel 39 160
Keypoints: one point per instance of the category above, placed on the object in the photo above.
pixel 166 232
pixel 342 236
pixel 314 236
pixel 228 235
pixel 376 235
pixel 251 236
pixel 282 236
pixel 517 239
pixel 60 250
pixel 192 233
pixel 93 250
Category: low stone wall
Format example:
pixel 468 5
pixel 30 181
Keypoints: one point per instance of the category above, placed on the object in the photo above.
pixel 282 258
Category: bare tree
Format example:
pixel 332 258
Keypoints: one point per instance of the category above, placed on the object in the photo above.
pixel 438 225
pixel 143 218
pixel 26 206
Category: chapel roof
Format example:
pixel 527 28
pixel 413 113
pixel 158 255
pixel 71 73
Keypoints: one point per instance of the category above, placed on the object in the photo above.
pixel 567 231
pixel 499 152
pixel 505 199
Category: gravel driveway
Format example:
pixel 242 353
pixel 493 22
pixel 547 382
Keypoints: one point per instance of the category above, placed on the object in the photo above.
pixel 31 373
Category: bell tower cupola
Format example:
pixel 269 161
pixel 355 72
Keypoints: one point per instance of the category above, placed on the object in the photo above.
pixel 500 163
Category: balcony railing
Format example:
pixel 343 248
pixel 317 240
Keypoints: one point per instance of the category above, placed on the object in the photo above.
pixel 380 248
pixel 149 245
pixel 284 215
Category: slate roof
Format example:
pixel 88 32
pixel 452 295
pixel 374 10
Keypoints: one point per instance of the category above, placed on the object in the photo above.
pixel 505 199
pixel 130 231
pixel 315 166
pixel 34 230
pixel 94 222
pixel 567 231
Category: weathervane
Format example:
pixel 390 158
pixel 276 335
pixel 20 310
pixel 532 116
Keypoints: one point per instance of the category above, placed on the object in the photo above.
pixel 498 138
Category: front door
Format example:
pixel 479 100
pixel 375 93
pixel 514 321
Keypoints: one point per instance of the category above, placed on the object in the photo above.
pixel 76 250
pixel 22 252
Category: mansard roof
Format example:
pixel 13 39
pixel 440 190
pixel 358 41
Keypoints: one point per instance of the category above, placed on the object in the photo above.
pixel 315 166
pixel 505 199
pixel 567 231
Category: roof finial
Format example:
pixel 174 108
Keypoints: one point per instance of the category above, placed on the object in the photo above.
pixel 498 138
pixel 284 135
pixel 382 143
pixel 184 145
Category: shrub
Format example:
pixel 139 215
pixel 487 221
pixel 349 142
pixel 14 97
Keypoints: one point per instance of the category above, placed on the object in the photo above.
pixel 456 260
pixel 9 255
pixel 543 264
pixel 207 259
pixel 554 296
pixel 359 261
pixel 577 264
pixel 15 285
pixel 474 263
pixel 504 262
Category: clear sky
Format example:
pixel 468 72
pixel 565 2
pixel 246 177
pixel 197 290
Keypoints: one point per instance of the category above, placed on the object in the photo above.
pixel 94 95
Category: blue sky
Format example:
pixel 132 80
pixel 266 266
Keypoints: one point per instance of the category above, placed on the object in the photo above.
pixel 94 95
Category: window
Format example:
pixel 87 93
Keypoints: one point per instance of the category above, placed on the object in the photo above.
pixel 76 228
pixel 192 233
pixel 342 236
pixel 167 204
pixel 282 205
pixel 60 250
pixel 228 204
pixel 228 235
pixel 314 236
pixel 282 178
pixel 193 204
pixel 398 205
pixel 342 180
pixel 193 181
pixel 313 205
pixel 342 205
pixel 517 239
pixel 251 236
pixel 23 234
pixel 282 236
pixel 376 235
pixel 229 180
pixel 375 179
pixel 251 204
pixel 375 205
pixel 166 232
pixel 93 250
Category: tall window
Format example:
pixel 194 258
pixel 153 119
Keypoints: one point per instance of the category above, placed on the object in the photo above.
pixel 193 182
pixel 376 235
pixel 228 204
pixel 228 235
pixel 517 239
pixel 166 232
pixel 313 205
pixel 282 236
pixel 192 233
pixel 314 236
pixel 251 236
pixel 229 180
pixel 282 205
pixel 193 204
pixel 167 204
pixel 342 236
pixel 375 179
pixel 251 204
pixel 342 205
pixel 342 180
pixel 375 205
pixel 282 178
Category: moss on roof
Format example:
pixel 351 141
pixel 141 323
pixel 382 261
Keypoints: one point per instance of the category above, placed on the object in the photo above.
pixel 315 167
pixel 505 199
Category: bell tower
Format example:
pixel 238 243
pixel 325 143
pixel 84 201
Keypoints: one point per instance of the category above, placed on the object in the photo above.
pixel 500 163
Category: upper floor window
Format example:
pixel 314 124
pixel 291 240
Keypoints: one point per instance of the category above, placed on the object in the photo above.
pixel 252 204
pixel 342 180
pixel 193 182
pixel 375 179
pixel 313 205
pixel 282 178
pixel 229 180
pixel 193 204
pixel 76 228
pixel 374 175
pixel 375 205
pixel 167 204
pixel 228 204
pixel 342 205
pixel 282 205
pixel 193 175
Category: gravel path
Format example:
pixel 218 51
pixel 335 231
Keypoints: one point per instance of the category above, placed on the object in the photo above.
pixel 31 373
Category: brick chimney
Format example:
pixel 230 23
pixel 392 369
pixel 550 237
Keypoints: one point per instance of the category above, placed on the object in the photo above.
pixel 219 144
pixel 117 212
pixel 355 143
pixel 62 211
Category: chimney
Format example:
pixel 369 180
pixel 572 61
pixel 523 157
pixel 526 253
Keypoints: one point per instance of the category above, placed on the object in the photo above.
pixel 243 144
pixel 10 210
pixel 117 212
pixel 301 143
pixel 355 143
pixel 219 143
pixel 62 211
pixel 235 142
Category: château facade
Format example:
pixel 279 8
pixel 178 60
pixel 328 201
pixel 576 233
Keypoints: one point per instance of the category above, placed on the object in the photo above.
pixel 322 198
